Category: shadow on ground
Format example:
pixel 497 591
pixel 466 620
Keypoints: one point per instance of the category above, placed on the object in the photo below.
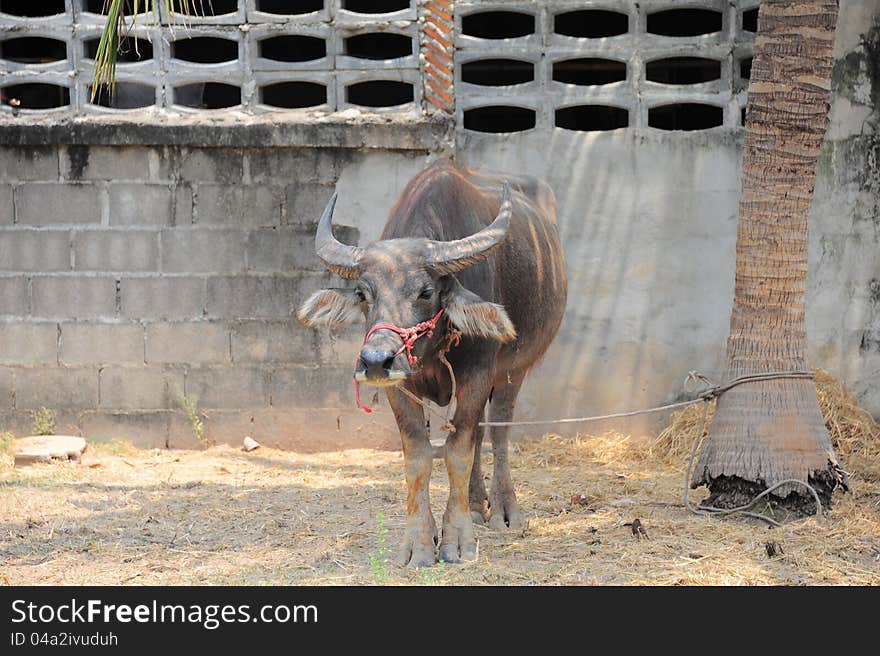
pixel 221 516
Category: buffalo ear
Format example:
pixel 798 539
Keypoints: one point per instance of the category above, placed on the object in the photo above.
pixel 475 317
pixel 330 307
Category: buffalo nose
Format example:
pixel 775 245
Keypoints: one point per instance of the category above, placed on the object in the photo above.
pixel 377 364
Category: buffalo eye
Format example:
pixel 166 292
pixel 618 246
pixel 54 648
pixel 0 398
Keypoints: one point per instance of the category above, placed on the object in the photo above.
pixel 426 294
pixel 360 295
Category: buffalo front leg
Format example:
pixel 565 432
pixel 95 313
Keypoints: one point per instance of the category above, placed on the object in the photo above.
pixel 458 541
pixel 504 511
pixel 479 500
pixel 420 533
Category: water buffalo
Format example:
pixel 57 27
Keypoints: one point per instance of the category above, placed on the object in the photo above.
pixel 462 253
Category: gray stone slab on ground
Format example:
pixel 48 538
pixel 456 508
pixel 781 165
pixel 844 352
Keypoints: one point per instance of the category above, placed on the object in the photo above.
pixel 47 448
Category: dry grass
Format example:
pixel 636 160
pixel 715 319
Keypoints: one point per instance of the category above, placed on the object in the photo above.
pixel 221 516
pixel 854 433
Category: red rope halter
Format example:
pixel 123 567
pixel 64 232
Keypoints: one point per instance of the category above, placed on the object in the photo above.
pixel 409 337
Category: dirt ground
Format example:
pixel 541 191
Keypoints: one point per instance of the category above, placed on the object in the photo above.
pixel 222 516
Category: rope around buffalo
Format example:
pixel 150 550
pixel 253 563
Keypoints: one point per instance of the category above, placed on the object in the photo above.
pixel 711 393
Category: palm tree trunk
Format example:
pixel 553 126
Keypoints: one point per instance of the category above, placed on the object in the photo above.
pixel 766 432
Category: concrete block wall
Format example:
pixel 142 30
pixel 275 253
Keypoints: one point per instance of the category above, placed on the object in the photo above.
pixel 549 43
pixel 133 265
pixel 164 80
pixel 131 276
pixel 649 217
pixel 843 283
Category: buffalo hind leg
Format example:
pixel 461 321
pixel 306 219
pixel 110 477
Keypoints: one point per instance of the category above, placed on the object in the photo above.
pixel 504 511
pixel 479 500
pixel 420 533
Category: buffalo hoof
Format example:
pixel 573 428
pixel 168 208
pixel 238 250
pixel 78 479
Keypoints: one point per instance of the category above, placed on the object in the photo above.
pixel 419 546
pixel 458 543
pixel 506 514
pixel 416 555
pixel 416 559
pixel 458 552
pixel 479 512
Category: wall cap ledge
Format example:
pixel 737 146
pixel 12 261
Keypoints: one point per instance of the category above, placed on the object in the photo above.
pixel 346 129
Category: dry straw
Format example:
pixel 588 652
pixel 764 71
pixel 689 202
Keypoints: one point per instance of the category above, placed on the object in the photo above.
pixel 223 516
pixel 854 432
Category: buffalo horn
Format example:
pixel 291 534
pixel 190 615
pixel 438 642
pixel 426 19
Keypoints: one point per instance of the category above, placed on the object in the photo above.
pixel 452 256
pixel 340 258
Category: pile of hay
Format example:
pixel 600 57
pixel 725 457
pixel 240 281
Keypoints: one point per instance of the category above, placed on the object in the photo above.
pixel 854 433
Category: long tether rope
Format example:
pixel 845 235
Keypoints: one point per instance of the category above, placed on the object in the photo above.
pixel 707 395
pixel 712 392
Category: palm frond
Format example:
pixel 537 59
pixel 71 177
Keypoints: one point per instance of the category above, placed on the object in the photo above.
pixel 116 31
